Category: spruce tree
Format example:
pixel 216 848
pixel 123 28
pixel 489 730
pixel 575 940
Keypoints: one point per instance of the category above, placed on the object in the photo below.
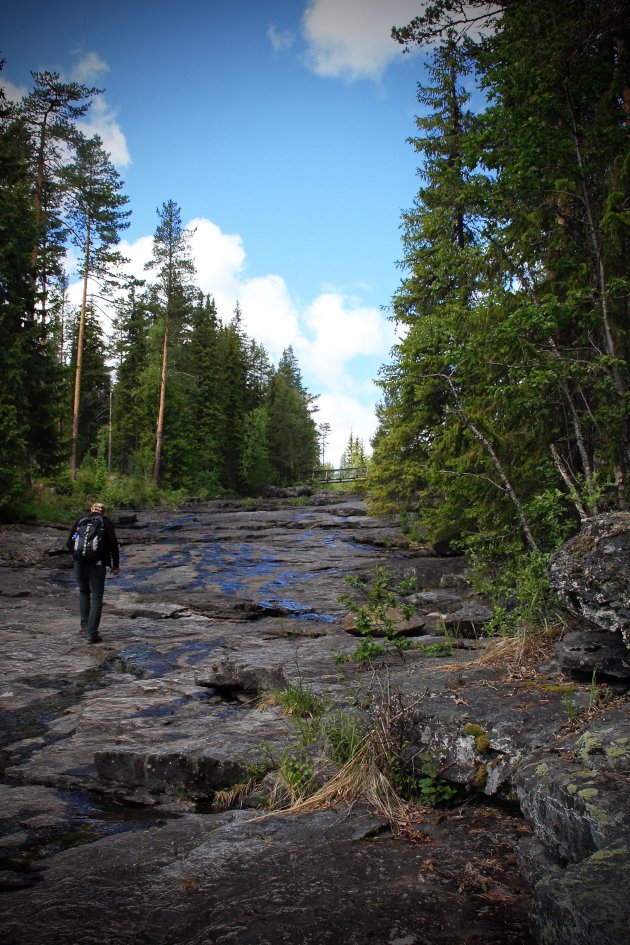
pixel 292 431
pixel 30 377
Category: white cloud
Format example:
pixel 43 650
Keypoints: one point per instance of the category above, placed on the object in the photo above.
pixel 89 68
pixel 14 93
pixel 101 120
pixel 339 330
pixel 281 40
pixel 339 342
pixel 352 38
pixel 219 258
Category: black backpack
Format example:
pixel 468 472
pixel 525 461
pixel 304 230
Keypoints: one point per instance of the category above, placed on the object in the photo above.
pixel 89 538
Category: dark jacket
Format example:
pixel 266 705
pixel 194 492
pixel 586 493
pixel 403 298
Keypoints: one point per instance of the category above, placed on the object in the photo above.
pixel 111 551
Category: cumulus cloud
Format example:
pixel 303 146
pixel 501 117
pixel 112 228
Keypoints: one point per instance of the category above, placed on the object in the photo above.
pixel 339 330
pixel 338 341
pixel 281 40
pixel 13 93
pixel 102 119
pixel 352 38
pixel 90 67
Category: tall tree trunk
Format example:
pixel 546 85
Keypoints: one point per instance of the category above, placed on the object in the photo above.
pixel 38 201
pixel 79 362
pixel 160 421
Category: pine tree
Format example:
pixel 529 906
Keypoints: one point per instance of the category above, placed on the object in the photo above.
pixel 50 112
pixel 95 215
pixel 95 380
pixel 130 349
pixel 173 265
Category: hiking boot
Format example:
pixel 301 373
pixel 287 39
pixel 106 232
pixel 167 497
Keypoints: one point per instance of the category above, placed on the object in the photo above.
pixel 97 639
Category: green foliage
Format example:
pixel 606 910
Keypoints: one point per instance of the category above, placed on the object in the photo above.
pixel 292 433
pixel 519 587
pixel 375 607
pixel 300 701
pixel 298 772
pixel 570 706
pixel 343 736
pixel 504 416
pixel 435 649
pixel 421 782
pixel 256 461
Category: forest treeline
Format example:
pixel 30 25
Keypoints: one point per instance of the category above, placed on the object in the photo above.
pixel 504 417
pixel 172 394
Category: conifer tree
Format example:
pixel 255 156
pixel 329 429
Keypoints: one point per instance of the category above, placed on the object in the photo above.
pixel 293 442
pixel 50 112
pixel 95 382
pixel 30 377
pixel 95 215
pixel 173 265
pixel 512 379
pixel 129 347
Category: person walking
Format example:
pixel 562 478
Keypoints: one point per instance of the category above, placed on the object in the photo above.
pixel 93 542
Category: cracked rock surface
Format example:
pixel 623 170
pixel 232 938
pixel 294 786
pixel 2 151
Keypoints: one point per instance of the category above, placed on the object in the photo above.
pixel 112 755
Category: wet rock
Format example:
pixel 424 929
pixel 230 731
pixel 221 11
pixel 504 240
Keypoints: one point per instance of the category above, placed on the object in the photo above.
pixel 591 572
pixel 212 606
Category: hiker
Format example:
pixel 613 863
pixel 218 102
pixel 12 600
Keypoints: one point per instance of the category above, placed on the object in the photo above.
pixel 93 543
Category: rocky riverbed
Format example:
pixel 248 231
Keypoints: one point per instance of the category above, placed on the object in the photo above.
pixel 114 756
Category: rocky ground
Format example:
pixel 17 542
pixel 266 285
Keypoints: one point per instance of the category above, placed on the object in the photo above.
pixel 114 756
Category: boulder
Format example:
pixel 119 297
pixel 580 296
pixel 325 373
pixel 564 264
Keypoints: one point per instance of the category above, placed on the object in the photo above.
pixel 588 651
pixel 591 573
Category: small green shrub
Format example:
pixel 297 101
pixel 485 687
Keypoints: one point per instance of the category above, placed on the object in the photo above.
pixel 298 773
pixel 373 605
pixel 299 701
pixel 421 782
pixel 519 587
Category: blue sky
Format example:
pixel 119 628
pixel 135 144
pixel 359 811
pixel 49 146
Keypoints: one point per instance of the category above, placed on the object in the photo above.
pixel 280 129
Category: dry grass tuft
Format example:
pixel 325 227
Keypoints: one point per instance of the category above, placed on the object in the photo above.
pixel 232 797
pixel 360 779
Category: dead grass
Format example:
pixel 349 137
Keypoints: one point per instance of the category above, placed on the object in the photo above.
pixel 518 655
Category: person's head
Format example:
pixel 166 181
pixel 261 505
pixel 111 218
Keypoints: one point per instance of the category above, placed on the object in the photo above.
pixel 98 508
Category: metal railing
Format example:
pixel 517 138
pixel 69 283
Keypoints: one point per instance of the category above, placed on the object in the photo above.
pixel 347 474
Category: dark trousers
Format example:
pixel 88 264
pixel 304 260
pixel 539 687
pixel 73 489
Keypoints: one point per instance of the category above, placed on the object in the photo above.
pixel 91 581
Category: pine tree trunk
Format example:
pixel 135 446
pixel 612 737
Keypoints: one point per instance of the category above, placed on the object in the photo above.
pixel 160 421
pixel 79 362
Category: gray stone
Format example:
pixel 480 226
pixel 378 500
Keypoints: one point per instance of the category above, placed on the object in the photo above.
pixel 587 904
pixel 591 572
pixel 586 651
pixel 217 605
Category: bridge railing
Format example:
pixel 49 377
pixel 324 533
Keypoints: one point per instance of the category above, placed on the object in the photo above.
pixel 347 474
